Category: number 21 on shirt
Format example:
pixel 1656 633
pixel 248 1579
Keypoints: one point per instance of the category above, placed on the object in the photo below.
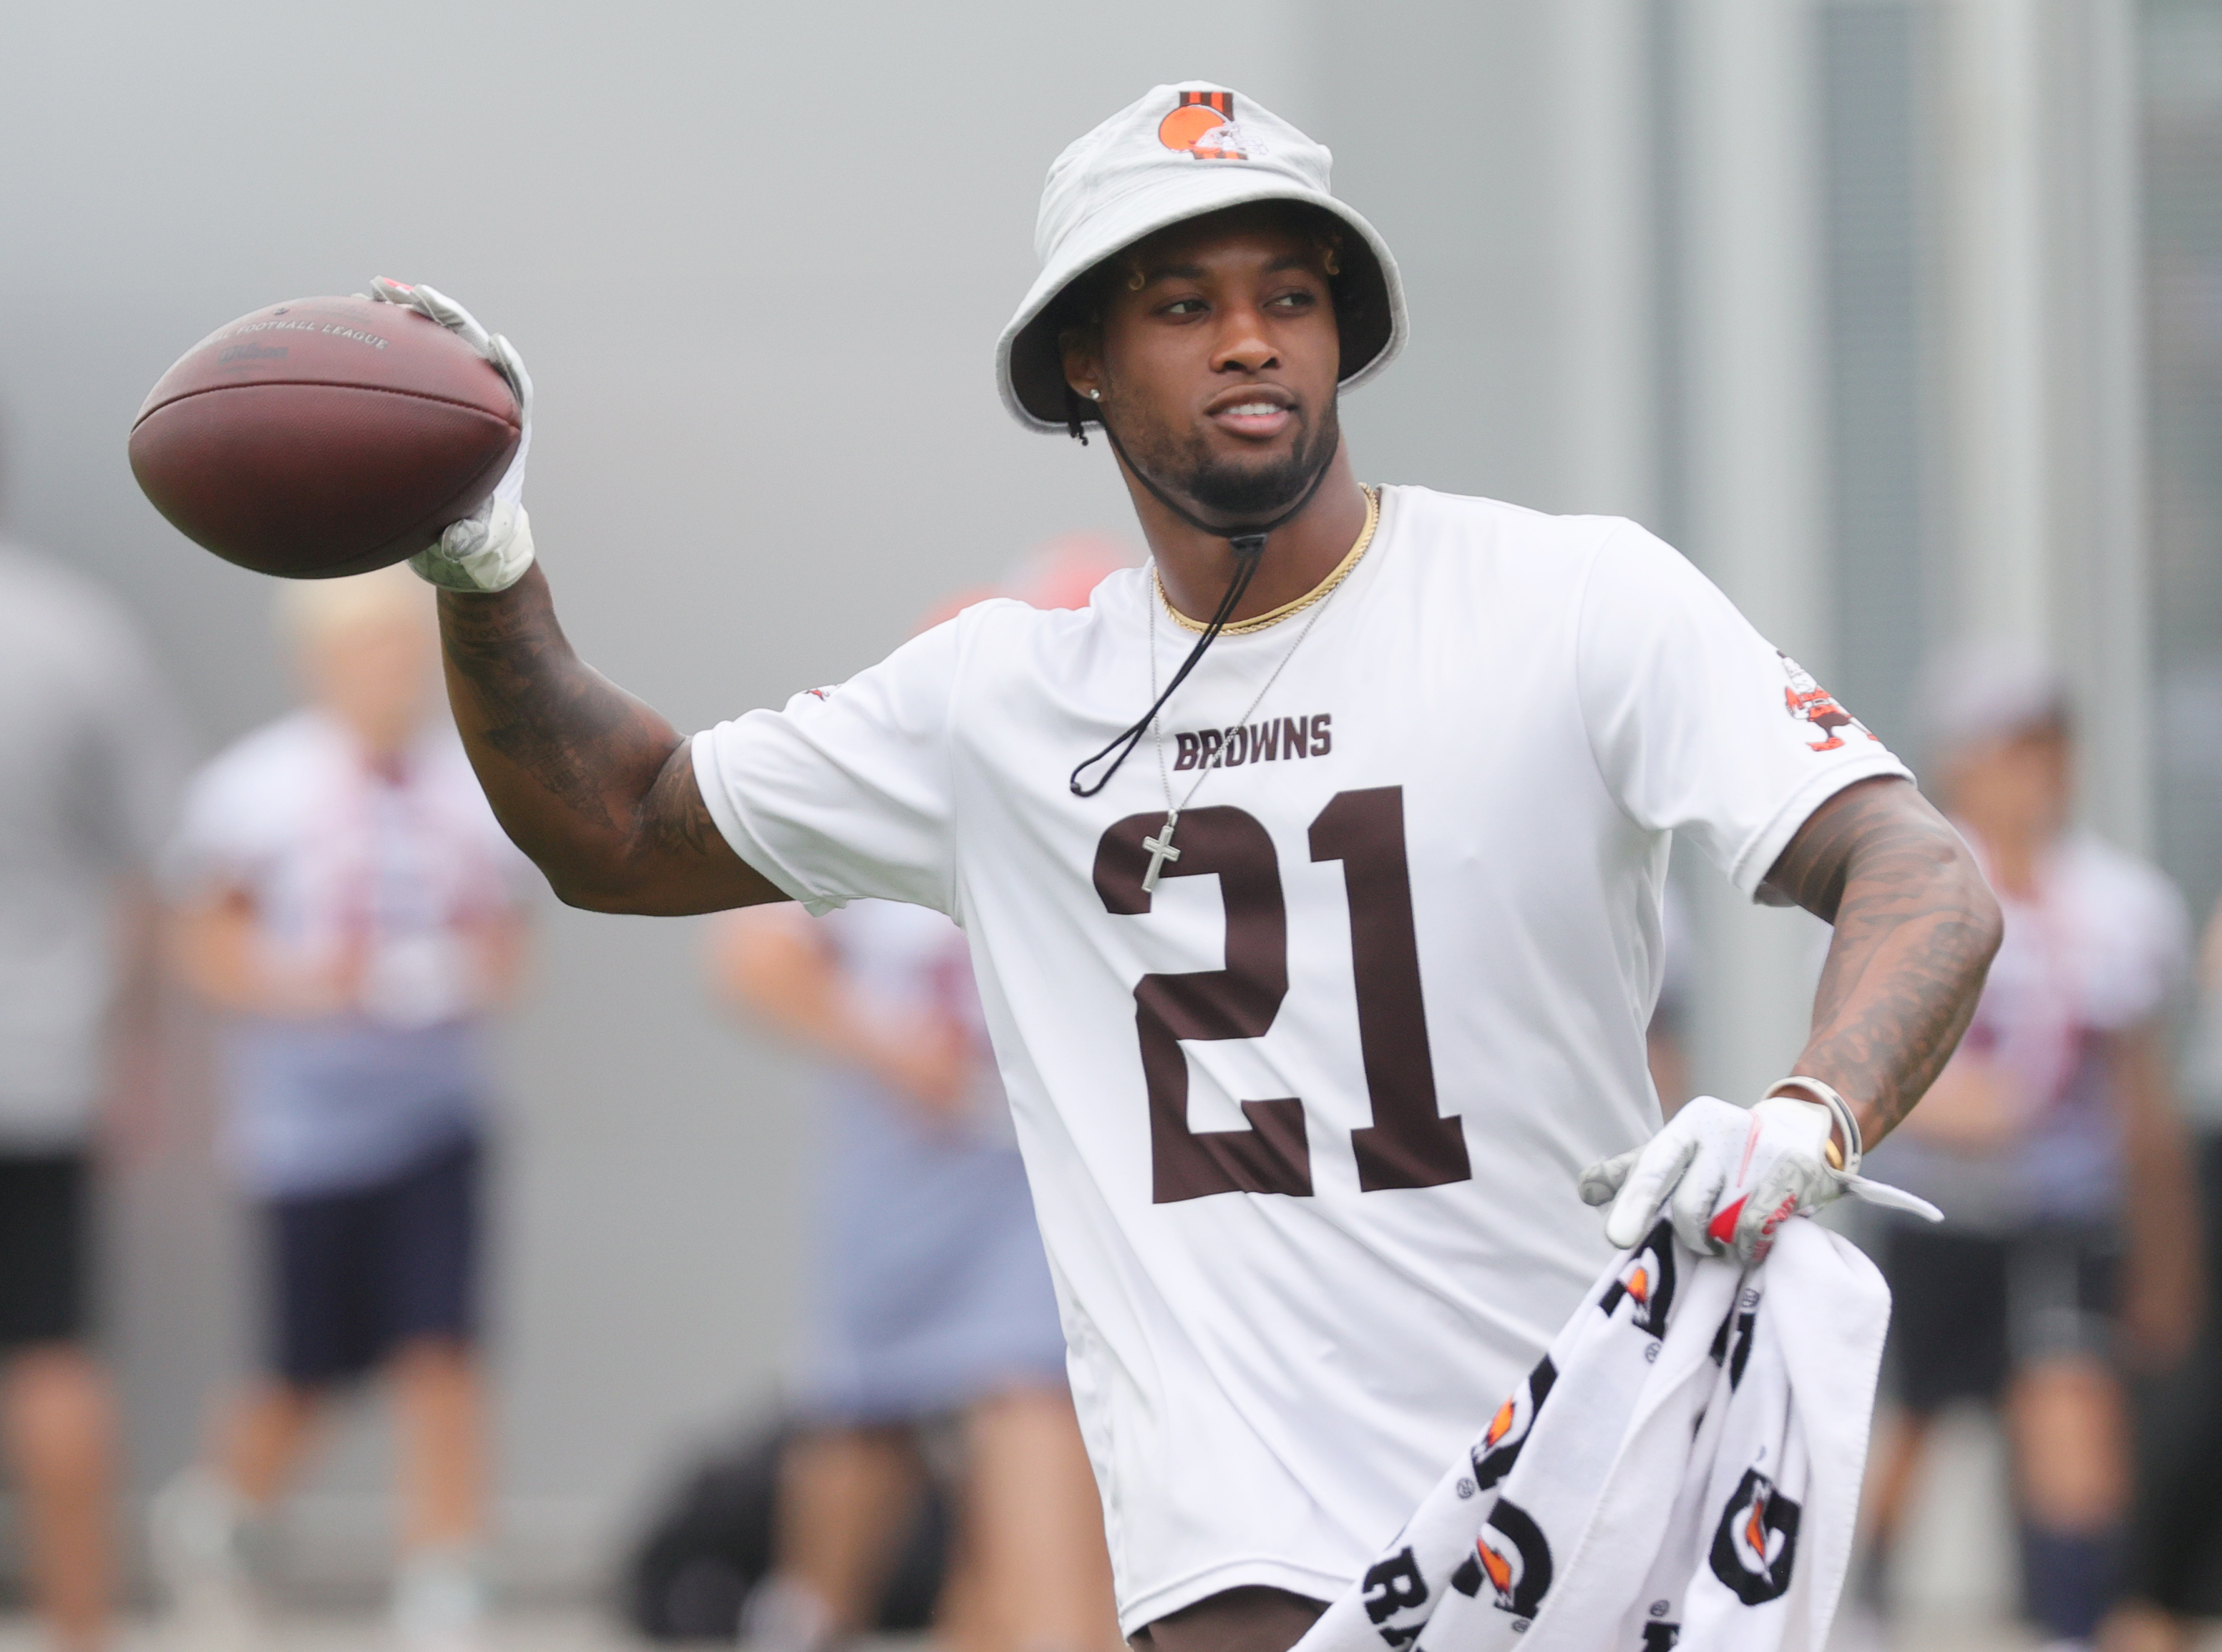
pixel 1408 1144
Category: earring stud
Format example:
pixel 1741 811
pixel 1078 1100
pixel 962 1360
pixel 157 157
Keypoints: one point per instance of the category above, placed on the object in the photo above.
pixel 1094 394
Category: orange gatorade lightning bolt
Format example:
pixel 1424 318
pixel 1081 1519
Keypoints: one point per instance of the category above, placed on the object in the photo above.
pixel 1499 1425
pixel 1499 1568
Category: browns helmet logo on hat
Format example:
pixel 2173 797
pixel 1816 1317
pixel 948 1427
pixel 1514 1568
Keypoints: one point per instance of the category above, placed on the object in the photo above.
pixel 1756 1545
pixel 1202 125
pixel 1499 1447
pixel 1512 1556
pixel 1648 1279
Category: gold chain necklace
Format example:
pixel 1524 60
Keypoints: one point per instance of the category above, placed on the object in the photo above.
pixel 1160 848
pixel 1243 628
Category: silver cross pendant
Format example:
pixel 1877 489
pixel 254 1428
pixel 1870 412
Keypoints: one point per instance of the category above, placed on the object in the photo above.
pixel 1161 850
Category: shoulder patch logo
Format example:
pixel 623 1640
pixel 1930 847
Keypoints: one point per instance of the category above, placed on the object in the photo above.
pixel 1813 705
pixel 1756 1545
pixel 1202 125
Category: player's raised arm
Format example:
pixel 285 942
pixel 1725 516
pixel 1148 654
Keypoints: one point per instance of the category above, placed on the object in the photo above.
pixel 590 783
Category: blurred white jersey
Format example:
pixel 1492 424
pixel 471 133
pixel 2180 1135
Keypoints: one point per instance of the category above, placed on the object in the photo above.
pixel 1303 1126
pixel 2100 945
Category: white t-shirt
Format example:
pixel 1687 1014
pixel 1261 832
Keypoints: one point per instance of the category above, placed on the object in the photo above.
pixel 403 863
pixel 337 852
pixel 1304 1135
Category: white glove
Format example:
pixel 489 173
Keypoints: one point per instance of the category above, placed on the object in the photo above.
pixel 1730 1176
pixel 490 548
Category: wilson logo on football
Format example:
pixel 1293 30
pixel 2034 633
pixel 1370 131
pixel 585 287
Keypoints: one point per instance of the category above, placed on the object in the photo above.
pixel 1647 1279
pixel 1202 125
pixel 1511 1556
pixel 1499 1447
pixel 1756 1545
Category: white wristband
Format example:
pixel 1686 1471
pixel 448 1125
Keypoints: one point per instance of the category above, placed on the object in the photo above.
pixel 1846 1123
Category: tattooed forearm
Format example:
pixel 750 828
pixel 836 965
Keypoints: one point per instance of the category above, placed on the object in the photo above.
pixel 1916 927
pixel 518 688
pixel 589 782
pixel 676 814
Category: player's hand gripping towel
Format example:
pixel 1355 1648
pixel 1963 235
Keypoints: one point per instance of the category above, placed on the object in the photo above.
pixel 1682 1469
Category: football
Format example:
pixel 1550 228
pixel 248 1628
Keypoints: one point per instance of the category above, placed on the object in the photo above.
pixel 323 436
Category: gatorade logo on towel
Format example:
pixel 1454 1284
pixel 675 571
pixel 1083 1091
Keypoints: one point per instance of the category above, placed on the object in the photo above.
pixel 1499 1449
pixel 1756 1545
pixel 1648 1281
pixel 1513 1557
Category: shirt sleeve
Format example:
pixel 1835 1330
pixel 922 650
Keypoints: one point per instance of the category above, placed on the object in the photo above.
pixel 1699 725
pixel 844 794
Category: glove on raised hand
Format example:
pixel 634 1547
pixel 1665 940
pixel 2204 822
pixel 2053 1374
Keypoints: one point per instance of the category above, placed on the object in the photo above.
pixel 1730 1177
pixel 490 548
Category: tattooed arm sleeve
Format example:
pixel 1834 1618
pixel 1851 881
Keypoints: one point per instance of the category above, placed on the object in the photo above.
pixel 594 786
pixel 1916 927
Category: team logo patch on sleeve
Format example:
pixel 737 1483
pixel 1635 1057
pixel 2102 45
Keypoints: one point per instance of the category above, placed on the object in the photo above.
pixel 1813 705
pixel 1647 1280
pixel 1756 1545
pixel 1493 1455
pixel 1512 1557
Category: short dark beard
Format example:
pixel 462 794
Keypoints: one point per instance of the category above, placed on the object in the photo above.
pixel 1237 493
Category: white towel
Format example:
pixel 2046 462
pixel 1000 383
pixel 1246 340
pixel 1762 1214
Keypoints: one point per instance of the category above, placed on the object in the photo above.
pixel 1682 1469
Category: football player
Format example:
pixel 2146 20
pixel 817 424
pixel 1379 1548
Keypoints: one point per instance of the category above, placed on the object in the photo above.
pixel 1311 874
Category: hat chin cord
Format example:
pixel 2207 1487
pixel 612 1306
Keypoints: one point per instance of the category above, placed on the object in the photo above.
pixel 1248 543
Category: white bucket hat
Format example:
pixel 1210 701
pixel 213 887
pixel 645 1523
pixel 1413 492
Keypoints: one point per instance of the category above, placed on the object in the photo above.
pixel 1177 153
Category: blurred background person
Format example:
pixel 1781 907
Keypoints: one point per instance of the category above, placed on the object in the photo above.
pixel 2052 1144
pixel 90 760
pixel 345 900
pixel 2174 1574
pixel 928 1296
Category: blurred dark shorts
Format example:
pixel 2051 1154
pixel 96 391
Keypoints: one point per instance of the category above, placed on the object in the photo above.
pixel 356 1275
pixel 1968 1311
pixel 45 1248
